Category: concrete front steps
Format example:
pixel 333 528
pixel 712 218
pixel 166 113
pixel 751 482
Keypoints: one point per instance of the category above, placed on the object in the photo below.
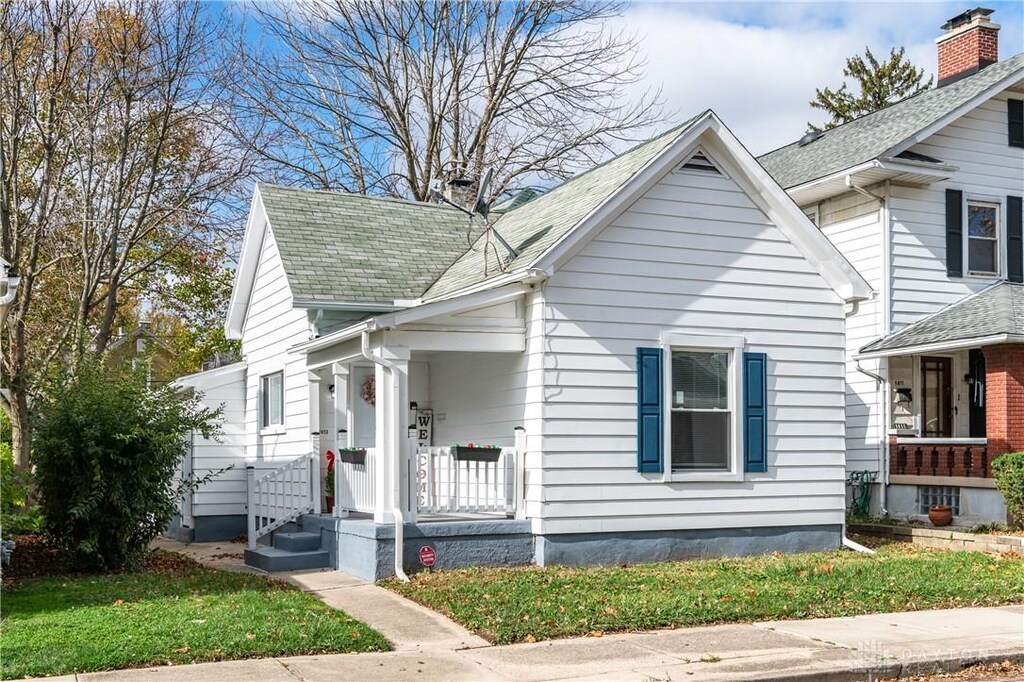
pixel 290 549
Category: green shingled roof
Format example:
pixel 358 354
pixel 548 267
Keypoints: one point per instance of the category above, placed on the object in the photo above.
pixel 996 310
pixel 871 136
pixel 535 226
pixel 355 249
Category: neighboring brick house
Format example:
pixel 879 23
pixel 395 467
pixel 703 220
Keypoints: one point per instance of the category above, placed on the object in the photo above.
pixel 924 198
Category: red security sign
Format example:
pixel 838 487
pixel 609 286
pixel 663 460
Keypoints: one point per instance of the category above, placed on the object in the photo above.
pixel 427 556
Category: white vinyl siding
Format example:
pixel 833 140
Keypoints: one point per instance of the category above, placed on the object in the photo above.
pixel 695 256
pixel 988 167
pixel 852 222
pixel 271 327
pixel 224 494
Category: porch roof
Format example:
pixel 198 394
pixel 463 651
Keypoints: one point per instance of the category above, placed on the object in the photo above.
pixel 993 315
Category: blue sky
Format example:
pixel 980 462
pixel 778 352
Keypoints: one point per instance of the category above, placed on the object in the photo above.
pixel 757 64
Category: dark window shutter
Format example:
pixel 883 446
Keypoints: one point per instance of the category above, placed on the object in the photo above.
pixel 649 396
pixel 954 233
pixel 1015 119
pixel 1014 240
pixel 755 412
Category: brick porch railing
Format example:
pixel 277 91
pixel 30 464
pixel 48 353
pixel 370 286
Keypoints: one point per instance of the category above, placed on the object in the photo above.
pixel 933 459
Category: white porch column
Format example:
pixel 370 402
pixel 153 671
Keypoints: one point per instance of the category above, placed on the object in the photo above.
pixel 316 483
pixel 341 429
pixel 383 489
pixel 393 454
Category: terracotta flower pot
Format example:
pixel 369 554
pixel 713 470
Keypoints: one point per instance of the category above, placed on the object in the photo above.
pixel 329 500
pixel 940 515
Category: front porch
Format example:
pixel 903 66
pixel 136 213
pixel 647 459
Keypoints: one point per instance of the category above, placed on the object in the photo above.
pixel 418 444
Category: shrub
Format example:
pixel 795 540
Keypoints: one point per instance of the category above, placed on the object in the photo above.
pixel 16 515
pixel 1008 471
pixel 106 449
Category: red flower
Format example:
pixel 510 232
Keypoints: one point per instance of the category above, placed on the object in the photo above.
pixel 330 460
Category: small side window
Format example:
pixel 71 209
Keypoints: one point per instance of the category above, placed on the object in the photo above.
pixel 272 399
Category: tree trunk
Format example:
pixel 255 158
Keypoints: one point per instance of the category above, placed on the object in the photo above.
pixel 20 428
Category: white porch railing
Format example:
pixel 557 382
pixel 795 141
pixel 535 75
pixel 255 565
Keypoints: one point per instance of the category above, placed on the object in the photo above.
pixel 354 484
pixel 446 485
pixel 282 495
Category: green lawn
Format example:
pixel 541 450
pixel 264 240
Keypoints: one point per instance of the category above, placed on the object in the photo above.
pixel 526 604
pixel 70 624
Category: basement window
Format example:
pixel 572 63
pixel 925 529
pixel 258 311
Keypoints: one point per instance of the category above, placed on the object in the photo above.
pixel 931 495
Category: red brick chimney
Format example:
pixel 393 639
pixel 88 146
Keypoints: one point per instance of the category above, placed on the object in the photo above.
pixel 971 43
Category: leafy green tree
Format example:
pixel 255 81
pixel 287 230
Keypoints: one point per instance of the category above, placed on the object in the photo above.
pixel 878 85
pixel 106 450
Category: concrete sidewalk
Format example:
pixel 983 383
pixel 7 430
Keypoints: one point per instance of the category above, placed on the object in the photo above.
pixel 857 648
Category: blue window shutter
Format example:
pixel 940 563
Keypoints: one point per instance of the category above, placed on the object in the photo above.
pixel 1014 239
pixel 755 412
pixel 649 450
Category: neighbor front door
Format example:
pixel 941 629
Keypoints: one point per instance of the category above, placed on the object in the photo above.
pixel 937 397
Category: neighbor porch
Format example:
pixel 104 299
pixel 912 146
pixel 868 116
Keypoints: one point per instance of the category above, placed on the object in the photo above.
pixel 955 403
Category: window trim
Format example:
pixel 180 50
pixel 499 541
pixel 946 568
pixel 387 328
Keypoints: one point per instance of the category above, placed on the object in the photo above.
pixel 1000 239
pixel 266 429
pixel 734 345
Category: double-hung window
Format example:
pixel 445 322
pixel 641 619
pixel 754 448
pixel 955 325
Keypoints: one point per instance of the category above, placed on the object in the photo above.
pixel 272 400
pixel 701 420
pixel 982 238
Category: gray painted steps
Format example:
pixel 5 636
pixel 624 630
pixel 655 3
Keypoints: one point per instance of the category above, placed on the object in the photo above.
pixel 297 541
pixel 273 559
pixel 288 549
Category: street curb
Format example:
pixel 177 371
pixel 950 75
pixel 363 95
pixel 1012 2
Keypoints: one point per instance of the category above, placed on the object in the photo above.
pixel 896 669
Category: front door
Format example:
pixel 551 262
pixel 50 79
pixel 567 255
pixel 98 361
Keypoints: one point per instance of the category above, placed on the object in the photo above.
pixel 937 397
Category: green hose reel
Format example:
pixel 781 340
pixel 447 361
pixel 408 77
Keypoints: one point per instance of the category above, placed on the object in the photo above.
pixel 861 482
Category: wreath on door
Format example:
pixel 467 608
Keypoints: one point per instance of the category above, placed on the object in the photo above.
pixel 368 390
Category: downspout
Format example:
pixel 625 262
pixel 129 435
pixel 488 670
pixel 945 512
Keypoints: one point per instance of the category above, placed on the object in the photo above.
pixel 883 455
pixel 397 491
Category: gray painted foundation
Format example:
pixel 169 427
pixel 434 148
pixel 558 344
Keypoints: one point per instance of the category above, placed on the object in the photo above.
pixel 208 528
pixel 977 505
pixel 649 546
pixel 368 549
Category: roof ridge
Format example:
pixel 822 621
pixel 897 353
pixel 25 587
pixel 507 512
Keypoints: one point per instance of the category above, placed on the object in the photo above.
pixel 945 88
pixel 654 138
pixel 509 216
pixel 412 203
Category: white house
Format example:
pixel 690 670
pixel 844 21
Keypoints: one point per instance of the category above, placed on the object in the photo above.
pixel 655 349
pixel 924 199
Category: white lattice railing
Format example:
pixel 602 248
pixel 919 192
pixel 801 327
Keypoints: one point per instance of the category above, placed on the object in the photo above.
pixel 446 485
pixel 281 495
pixel 354 483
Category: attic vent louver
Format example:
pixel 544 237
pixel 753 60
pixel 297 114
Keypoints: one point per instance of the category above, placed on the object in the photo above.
pixel 699 162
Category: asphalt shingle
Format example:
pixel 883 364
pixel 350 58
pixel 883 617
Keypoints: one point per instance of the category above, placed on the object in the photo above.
pixel 350 248
pixel 998 309
pixel 871 136
pixel 534 227
pixel 355 249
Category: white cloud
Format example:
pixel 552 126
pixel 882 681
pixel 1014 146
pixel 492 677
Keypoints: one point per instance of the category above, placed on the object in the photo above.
pixel 758 64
